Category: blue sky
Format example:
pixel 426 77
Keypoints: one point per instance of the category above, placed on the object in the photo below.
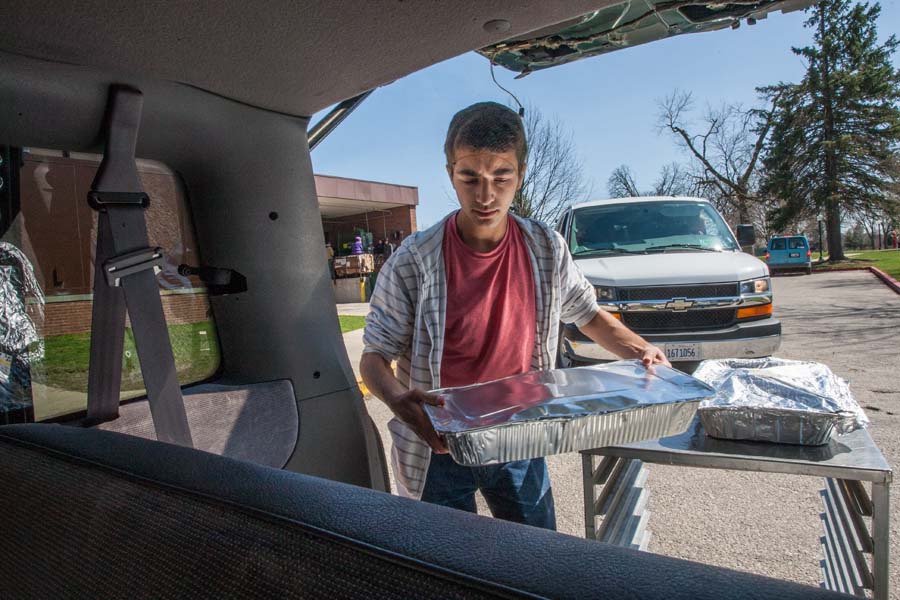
pixel 608 102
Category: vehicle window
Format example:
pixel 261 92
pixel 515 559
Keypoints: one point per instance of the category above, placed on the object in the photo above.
pixel 797 243
pixel 647 226
pixel 778 244
pixel 563 223
pixel 47 239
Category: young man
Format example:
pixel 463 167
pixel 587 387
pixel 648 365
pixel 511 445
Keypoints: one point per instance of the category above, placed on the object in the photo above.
pixel 477 297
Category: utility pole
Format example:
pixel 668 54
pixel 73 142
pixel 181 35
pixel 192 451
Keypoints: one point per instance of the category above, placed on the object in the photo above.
pixel 821 235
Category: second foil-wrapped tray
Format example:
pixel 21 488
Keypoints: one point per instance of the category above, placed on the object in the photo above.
pixel 565 410
pixel 777 400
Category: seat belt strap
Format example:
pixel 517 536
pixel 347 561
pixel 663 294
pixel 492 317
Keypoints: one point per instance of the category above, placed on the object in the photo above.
pixel 107 335
pixel 125 277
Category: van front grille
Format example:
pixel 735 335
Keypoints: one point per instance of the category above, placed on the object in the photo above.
pixel 666 292
pixel 692 320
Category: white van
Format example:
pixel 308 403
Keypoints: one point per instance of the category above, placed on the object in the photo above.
pixel 671 269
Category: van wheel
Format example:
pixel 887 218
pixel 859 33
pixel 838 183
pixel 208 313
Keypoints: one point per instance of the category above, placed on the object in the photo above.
pixel 562 361
pixel 687 366
pixel 809 270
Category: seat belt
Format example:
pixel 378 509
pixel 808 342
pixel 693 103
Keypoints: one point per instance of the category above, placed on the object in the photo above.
pixel 125 268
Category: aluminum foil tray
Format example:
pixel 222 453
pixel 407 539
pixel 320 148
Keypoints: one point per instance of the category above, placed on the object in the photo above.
pixel 565 410
pixel 776 400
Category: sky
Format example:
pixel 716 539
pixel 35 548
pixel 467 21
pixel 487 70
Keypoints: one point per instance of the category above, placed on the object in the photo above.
pixel 608 102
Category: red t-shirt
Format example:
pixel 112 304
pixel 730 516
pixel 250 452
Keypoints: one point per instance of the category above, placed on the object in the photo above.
pixel 491 321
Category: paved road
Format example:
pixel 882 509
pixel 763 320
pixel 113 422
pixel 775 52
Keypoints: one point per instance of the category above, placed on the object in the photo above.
pixel 769 524
pixel 359 309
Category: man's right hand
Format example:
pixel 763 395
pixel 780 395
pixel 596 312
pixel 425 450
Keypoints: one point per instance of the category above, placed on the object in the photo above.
pixel 407 405
pixel 409 408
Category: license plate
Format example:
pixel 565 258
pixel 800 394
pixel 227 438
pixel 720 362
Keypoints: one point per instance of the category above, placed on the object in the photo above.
pixel 795 255
pixel 682 351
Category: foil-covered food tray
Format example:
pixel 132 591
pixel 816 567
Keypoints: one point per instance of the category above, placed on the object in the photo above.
pixel 21 344
pixel 565 410
pixel 777 400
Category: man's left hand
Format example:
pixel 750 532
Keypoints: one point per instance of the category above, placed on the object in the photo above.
pixel 653 355
pixel 613 335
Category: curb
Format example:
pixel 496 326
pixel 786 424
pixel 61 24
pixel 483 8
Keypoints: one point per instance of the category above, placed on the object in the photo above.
pixel 839 269
pixel 887 279
pixel 884 277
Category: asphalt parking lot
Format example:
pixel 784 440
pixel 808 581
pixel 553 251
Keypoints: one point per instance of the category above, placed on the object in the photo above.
pixel 768 523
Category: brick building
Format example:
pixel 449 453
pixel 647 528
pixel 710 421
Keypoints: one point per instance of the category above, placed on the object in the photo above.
pixel 386 210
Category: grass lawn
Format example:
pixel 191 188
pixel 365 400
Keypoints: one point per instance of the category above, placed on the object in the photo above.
pixel 886 260
pixel 66 358
pixel 64 366
pixel 350 323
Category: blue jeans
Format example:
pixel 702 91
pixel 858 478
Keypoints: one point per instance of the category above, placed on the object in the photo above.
pixel 516 491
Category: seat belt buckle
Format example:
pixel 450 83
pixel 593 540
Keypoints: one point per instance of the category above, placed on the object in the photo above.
pixel 133 262
pixel 102 200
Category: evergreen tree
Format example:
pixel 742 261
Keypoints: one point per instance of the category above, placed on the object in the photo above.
pixel 834 143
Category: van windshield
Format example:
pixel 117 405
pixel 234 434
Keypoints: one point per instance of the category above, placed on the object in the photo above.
pixel 643 227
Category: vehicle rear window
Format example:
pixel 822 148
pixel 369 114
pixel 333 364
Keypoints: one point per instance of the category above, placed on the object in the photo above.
pixel 797 243
pixel 47 240
pixel 778 244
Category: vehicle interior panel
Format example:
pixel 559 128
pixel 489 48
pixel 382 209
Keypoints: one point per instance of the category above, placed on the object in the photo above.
pixel 285 326
pixel 257 423
pixel 315 53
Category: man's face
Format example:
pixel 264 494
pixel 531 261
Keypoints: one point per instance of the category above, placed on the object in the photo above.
pixel 485 184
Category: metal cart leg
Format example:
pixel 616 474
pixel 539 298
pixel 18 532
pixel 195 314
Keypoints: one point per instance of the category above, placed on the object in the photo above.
pixel 620 501
pixel 591 477
pixel 849 542
pixel 587 479
pixel 881 534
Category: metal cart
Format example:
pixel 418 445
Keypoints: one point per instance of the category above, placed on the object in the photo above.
pixel 856 522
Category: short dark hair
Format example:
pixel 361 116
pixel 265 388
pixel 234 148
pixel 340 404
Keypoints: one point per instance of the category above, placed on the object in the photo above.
pixel 487 126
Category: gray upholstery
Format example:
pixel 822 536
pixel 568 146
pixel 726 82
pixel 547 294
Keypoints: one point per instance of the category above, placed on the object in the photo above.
pixel 291 56
pixel 90 514
pixel 257 423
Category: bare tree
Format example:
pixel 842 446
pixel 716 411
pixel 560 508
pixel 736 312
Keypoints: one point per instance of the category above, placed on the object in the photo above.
pixel 760 215
pixel 727 150
pixel 554 177
pixel 673 180
pixel 621 183
pixel 878 222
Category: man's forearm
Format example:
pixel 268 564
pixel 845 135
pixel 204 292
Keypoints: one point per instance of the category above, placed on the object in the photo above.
pixel 407 405
pixel 610 333
pixel 379 377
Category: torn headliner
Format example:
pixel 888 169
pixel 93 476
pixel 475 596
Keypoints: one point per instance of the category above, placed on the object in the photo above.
pixel 294 57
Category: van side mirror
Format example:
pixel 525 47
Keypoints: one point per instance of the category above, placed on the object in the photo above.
pixel 746 235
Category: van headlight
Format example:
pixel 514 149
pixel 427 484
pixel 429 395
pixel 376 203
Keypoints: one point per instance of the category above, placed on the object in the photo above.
pixel 756 286
pixel 605 293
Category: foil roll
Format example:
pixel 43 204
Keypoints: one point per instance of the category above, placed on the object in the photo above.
pixel 777 400
pixel 541 413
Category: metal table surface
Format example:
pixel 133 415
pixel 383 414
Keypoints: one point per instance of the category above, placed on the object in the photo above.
pixel 845 462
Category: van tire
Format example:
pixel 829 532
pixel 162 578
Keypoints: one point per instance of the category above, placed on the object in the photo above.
pixel 809 270
pixel 562 361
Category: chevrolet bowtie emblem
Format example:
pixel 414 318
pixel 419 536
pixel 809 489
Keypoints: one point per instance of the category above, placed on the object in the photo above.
pixel 679 304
